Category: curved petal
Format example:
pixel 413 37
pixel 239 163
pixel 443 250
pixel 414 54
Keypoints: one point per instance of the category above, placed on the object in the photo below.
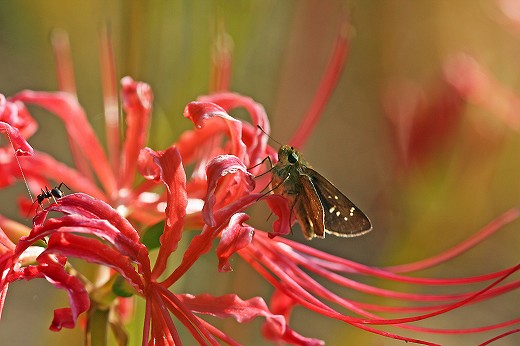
pixel 201 113
pixel 253 137
pixel 43 165
pixel 231 305
pixel 16 115
pixel 280 207
pixel 233 238
pixel 168 168
pixel 94 251
pixel 10 232
pixel 54 272
pixel 201 243
pixel 67 108
pixel 88 226
pixel 218 168
pixel 137 102
pixel 20 145
pixel 90 208
pixel 198 146
pixel 85 205
pixel 6 265
pixel 422 126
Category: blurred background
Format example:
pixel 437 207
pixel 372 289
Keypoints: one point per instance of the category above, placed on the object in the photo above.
pixel 421 131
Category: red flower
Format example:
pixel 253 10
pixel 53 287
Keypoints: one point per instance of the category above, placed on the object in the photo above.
pixel 105 226
pixel 92 230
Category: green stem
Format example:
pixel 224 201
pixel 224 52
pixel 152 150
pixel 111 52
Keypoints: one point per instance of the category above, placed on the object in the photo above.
pixel 97 327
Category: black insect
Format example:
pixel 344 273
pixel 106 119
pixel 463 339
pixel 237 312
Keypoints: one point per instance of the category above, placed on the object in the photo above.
pixel 54 194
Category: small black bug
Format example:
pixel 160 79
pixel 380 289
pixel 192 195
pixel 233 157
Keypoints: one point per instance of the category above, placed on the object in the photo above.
pixel 55 193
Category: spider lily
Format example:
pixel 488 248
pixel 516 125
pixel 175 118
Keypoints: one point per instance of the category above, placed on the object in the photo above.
pixel 227 188
pixel 105 225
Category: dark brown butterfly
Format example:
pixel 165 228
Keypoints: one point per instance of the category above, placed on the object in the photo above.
pixel 318 205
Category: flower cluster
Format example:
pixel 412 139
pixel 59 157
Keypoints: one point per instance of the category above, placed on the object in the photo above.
pixel 105 224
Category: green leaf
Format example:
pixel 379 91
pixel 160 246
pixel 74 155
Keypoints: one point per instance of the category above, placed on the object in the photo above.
pixel 151 236
pixel 122 288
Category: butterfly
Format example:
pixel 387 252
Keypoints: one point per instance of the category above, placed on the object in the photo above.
pixel 317 204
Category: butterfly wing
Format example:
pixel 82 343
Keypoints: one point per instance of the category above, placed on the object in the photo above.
pixel 309 211
pixel 341 217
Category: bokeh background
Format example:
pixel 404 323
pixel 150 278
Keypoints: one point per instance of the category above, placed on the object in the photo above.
pixel 411 133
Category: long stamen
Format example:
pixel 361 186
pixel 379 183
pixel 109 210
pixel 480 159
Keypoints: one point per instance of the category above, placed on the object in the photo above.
pixel 221 59
pixel 326 87
pixel 110 100
pixel 19 165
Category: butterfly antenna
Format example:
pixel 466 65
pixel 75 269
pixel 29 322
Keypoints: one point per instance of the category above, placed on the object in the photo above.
pixel 271 138
pixel 19 165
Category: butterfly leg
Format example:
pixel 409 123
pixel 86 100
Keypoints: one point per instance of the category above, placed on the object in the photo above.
pixel 274 188
pixel 292 207
pixel 267 158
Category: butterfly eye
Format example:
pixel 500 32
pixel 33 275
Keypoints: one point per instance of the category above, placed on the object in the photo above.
pixel 292 158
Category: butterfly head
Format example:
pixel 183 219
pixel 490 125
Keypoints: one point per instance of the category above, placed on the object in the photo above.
pixel 288 155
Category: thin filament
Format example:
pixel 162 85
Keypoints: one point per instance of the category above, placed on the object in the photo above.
pixel 19 165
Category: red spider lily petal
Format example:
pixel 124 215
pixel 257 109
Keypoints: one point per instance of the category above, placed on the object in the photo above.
pixel 200 113
pixel 8 169
pixel 67 108
pixel 16 115
pixel 10 232
pixel 6 264
pixel 20 145
pixel 255 140
pixel 201 243
pixel 281 304
pixel 91 208
pixel 110 99
pixel 125 308
pixel 41 166
pixel 231 100
pixel 233 238
pixel 56 274
pixel 87 225
pixel 479 86
pixel 6 245
pixel 63 61
pixel 147 167
pixel 280 207
pixel 167 166
pixel 423 126
pixel 218 168
pixel 231 305
pixel 222 47
pixel 198 146
pixel 94 251
pixel 137 102
pixel 87 206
